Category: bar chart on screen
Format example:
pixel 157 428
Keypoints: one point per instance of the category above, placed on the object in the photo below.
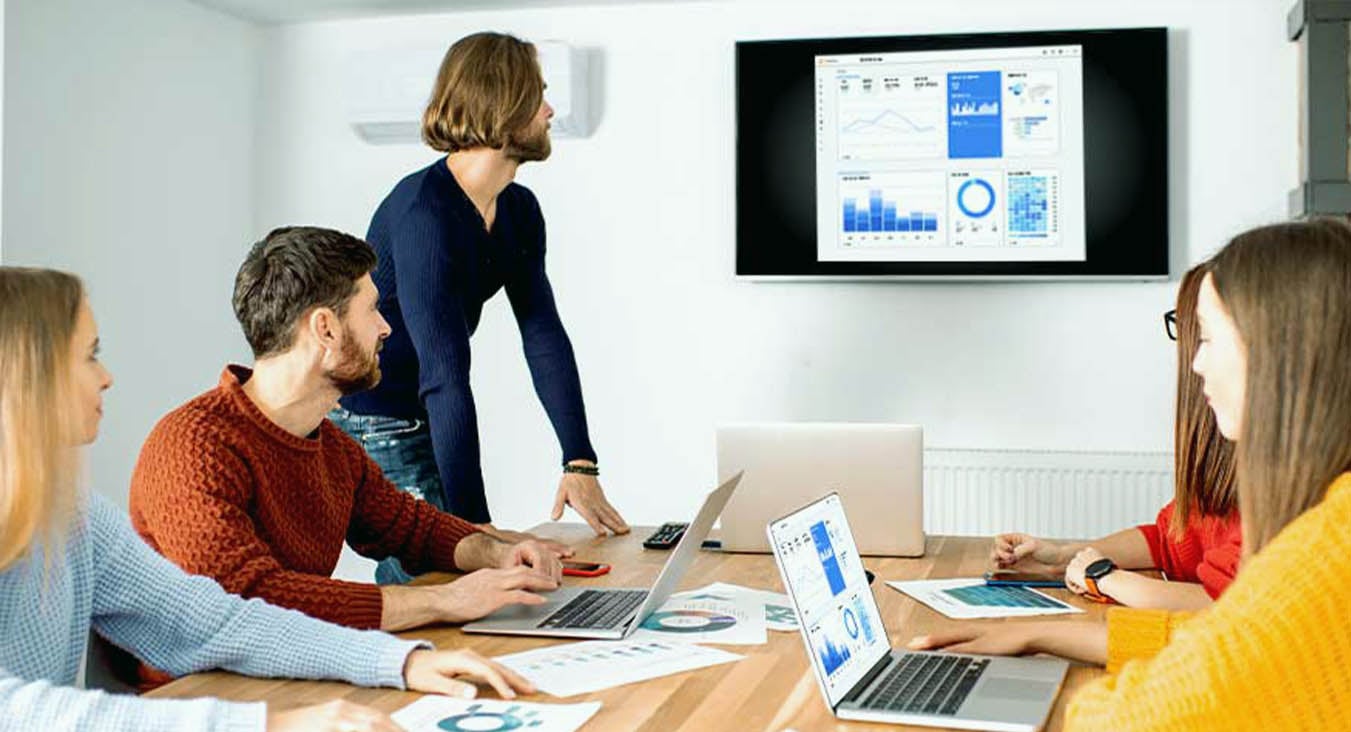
pixel 892 209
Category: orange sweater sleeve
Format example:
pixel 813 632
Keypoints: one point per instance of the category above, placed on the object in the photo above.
pixel 1270 655
pixel 195 505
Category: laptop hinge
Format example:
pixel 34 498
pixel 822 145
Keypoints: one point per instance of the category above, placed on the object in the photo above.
pixel 867 679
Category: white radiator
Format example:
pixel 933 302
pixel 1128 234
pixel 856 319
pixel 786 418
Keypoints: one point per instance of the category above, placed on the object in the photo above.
pixel 1043 493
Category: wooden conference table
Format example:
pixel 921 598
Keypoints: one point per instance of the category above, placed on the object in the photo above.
pixel 772 688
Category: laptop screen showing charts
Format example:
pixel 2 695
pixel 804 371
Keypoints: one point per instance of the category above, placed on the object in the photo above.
pixel 824 575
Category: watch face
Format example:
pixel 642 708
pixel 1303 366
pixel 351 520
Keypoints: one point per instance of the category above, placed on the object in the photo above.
pixel 1099 568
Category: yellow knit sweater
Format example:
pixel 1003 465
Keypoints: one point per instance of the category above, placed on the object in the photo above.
pixel 1273 654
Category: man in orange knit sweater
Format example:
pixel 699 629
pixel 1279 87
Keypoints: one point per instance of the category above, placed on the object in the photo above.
pixel 249 483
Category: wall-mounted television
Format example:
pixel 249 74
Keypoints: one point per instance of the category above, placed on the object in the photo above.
pixel 992 155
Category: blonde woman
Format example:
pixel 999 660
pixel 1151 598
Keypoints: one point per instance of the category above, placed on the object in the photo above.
pixel 70 562
pixel 1271 653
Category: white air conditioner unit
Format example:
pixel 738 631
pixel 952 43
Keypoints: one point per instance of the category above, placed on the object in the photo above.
pixel 388 90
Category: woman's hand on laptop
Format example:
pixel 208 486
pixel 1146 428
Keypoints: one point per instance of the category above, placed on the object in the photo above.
pixel 1027 553
pixel 1004 639
pixel 1083 641
pixel 441 672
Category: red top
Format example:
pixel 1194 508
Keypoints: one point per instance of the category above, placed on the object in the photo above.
pixel 1208 551
pixel 223 491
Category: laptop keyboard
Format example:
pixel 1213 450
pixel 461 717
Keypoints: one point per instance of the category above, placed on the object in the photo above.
pixel 601 609
pixel 927 684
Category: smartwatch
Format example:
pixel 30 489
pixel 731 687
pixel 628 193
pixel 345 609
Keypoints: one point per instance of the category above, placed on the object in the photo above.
pixel 1094 572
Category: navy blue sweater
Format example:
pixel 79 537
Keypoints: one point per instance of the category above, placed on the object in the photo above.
pixel 437 268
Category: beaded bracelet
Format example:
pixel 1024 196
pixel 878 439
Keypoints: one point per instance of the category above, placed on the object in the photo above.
pixel 581 469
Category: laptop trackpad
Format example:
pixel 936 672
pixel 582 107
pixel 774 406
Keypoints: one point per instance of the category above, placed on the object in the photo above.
pixel 1011 689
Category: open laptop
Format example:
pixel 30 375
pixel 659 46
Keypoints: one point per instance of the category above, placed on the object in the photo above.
pixel 859 673
pixel 608 612
pixel 877 468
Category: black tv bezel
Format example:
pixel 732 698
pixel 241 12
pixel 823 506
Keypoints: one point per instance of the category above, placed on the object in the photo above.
pixel 1116 60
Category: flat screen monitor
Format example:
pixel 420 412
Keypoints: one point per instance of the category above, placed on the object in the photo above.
pixel 993 155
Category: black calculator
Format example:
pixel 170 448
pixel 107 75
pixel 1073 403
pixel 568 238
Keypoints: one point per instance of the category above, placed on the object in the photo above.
pixel 666 537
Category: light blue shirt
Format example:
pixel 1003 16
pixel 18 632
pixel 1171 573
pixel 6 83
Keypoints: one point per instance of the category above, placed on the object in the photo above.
pixel 106 578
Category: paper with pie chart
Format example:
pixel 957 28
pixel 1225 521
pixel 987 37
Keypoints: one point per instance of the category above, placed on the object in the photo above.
pixel 445 714
pixel 779 614
pixel 707 616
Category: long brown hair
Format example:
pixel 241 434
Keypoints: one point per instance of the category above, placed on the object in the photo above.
pixel 1288 289
pixel 1203 469
pixel 38 311
pixel 488 88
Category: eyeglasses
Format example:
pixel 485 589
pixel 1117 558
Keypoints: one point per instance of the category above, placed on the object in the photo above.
pixel 1170 324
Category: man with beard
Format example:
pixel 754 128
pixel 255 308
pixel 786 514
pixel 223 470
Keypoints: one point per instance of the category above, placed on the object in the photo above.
pixel 449 237
pixel 250 485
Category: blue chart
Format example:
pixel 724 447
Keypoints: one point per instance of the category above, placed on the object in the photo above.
pixel 865 623
pixel 883 214
pixel 976 208
pixel 975 127
pixel 688 621
pixel 1000 596
pixel 832 656
pixel 851 623
pixel 975 198
pixel 477 718
pixel 826 554
pixel 1029 206
pixel 1031 112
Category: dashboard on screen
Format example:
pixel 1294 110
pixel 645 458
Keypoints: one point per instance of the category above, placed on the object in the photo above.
pixel 991 155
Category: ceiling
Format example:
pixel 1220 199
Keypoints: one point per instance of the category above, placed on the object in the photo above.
pixel 297 11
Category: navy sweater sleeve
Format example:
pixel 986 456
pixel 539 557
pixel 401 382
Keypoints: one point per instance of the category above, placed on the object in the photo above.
pixel 548 351
pixel 430 281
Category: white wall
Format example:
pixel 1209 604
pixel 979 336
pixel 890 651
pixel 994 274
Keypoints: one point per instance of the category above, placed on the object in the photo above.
pixel 641 242
pixel 128 159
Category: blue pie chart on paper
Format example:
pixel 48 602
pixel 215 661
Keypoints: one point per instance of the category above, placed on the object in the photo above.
pixel 688 621
pixel 975 197
pixel 850 623
pixel 481 722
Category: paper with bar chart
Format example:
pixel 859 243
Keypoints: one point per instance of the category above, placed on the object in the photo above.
pixel 969 599
pixel 587 666
pixel 962 155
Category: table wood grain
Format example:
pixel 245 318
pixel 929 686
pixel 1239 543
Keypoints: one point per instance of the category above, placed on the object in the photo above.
pixel 772 688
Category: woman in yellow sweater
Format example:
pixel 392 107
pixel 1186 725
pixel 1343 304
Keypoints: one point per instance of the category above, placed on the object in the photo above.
pixel 1272 653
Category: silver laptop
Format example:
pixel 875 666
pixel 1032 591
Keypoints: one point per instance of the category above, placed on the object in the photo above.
pixel 877 468
pixel 608 612
pixel 859 673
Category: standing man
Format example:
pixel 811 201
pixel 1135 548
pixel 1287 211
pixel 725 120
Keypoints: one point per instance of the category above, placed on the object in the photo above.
pixel 449 237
